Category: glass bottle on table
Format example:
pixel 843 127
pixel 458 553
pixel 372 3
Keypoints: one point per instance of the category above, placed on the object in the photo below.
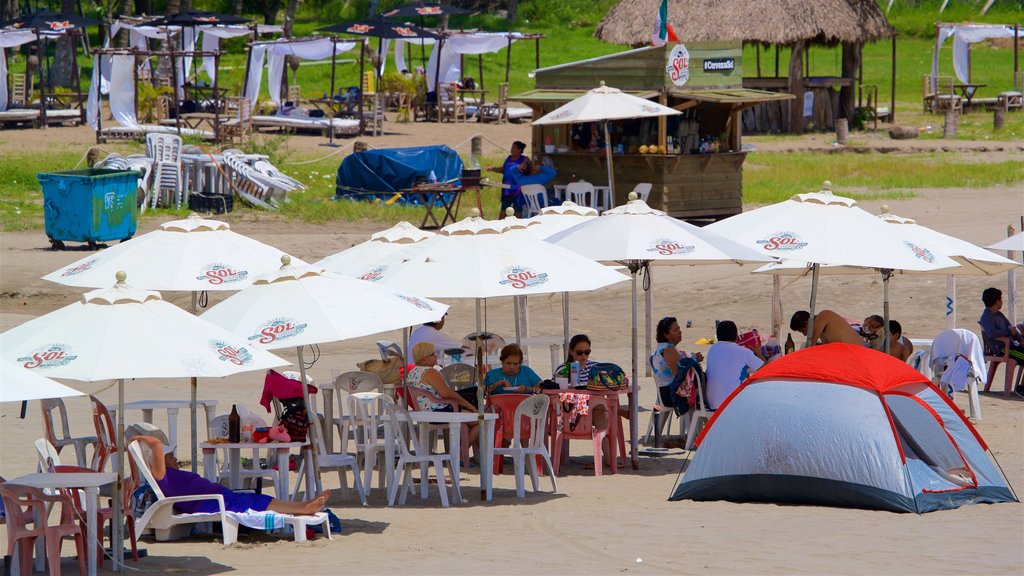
pixel 234 425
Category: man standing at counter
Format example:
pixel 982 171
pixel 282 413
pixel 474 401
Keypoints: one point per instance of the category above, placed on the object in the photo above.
pixel 510 193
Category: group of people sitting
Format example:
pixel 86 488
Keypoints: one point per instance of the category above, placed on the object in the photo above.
pixel 831 327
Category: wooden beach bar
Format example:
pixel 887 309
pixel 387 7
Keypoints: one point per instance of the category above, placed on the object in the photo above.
pixel 693 161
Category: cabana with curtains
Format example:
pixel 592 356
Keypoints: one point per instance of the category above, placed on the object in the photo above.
pixel 273 55
pixel 964 35
pixel 16 110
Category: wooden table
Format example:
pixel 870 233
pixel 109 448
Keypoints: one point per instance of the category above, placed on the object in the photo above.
pixel 967 91
pixel 234 449
pixel 334 108
pixel 430 197
pixel 478 95
pixel 67 100
pixel 195 120
pixel 90 483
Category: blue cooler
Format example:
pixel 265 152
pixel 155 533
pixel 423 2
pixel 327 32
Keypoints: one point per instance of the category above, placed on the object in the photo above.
pixel 92 205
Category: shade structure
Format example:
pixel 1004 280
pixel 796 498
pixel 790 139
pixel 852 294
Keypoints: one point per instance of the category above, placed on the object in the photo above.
pixel 1014 243
pixel 602 104
pixel 822 228
pixel 421 9
pixel 637 236
pixel 842 425
pixel 123 332
pixel 379 27
pixel 379 245
pixel 18 384
pixel 193 254
pixel 198 18
pixel 46 21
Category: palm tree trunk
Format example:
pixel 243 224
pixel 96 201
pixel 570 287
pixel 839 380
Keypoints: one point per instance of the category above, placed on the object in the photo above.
pixel 63 62
pixel 289 17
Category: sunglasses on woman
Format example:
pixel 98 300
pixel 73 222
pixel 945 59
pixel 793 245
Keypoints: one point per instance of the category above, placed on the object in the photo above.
pixel 582 352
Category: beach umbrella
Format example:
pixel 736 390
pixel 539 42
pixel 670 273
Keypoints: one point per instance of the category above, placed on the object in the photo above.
pixel 602 104
pixel 45 21
pixel 382 29
pixel 1013 243
pixel 821 228
pixel 554 219
pixel 190 255
pixel 638 236
pixel 380 244
pixel 122 333
pixel 422 9
pixel 195 18
pixel 19 384
pixel 299 305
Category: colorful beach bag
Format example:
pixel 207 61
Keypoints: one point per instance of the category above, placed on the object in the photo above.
pixel 605 376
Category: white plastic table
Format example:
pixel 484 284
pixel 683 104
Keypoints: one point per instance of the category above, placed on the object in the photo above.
pixel 454 420
pixel 90 483
pixel 282 449
pixel 171 406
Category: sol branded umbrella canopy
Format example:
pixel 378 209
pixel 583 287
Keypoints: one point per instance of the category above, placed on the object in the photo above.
pixel 821 228
pixel 602 104
pixel 18 384
pixel 380 244
pixel 636 236
pixel 122 332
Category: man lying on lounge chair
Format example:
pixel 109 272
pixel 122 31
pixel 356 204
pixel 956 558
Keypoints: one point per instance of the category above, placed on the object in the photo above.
pixel 174 482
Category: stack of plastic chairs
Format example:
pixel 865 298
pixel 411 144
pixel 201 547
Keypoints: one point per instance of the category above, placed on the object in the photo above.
pixel 165 150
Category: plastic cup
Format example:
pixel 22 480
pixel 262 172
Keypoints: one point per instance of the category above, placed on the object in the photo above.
pixel 563 383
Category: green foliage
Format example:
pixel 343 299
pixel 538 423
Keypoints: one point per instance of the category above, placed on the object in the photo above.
pixel 917 18
pixel 275 147
pixel 147 96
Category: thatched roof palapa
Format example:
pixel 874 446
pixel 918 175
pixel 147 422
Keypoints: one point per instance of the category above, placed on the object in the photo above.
pixel 780 22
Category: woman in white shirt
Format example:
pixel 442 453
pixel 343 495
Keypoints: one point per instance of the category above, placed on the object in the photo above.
pixel 729 364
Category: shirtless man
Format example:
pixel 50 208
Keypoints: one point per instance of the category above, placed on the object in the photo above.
pixel 828 327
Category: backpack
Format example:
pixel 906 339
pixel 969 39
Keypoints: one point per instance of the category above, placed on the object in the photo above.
pixel 605 376
pixel 295 419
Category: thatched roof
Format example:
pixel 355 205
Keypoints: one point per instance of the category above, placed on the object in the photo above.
pixel 782 22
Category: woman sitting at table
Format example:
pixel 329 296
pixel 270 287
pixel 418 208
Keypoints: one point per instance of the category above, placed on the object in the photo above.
pixel 579 351
pixel 438 395
pixel 513 377
pixel 666 357
pixel 174 482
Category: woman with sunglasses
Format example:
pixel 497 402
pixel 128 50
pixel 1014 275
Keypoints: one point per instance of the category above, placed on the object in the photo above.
pixel 579 351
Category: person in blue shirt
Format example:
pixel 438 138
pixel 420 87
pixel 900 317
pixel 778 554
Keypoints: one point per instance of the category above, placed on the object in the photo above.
pixel 525 173
pixel 510 190
pixel 994 324
pixel 513 377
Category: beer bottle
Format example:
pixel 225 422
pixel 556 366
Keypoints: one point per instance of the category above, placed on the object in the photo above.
pixel 790 346
pixel 234 425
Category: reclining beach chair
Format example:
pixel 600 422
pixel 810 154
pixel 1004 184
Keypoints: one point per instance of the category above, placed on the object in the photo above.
pixel 166 523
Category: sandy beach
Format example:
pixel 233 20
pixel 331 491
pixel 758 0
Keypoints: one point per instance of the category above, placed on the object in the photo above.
pixel 612 524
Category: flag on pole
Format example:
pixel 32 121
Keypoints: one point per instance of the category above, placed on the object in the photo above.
pixel 663 31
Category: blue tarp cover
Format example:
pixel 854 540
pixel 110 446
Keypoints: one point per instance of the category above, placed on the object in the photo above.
pixel 390 170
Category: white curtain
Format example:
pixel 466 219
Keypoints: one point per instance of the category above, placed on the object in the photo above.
pixel 10 40
pixel 252 84
pixel 211 43
pixel 306 50
pixel 454 46
pixel 963 37
pixel 400 50
pixel 92 107
pixel 122 90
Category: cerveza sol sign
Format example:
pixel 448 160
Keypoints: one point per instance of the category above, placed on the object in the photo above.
pixel 719 64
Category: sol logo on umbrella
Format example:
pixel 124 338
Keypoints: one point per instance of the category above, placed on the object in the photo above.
pixel 59 26
pixel 374 274
pixel 49 356
pixel 522 277
pixel 428 10
pixel 920 251
pixel 225 351
pixel 403 31
pixel 222 274
pixel 278 329
pixel 359 28
pixel 783 241
pixel 668 247
pixel 415 301
pixel 78 269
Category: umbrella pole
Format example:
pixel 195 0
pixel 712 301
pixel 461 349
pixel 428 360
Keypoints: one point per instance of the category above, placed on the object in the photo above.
pixel 611 171
pixel 515 311
pixel 405 367
pixel 886 274
pixel 314 433
pixel 482 438
pixel 648 307
pixel 951 300
pixel 194 404
pixel 565 327
pixel 814 297
pixel 117 534
pixel 634 389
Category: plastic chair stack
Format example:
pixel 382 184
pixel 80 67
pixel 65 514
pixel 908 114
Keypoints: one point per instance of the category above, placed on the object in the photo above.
pixel 165 150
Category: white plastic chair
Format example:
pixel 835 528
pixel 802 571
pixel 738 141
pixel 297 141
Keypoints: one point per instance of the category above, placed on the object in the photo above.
pixel 328 461
pixel 699 415
pixel 388 348
pixel 643 190
pixel 80 443
pixel 581 193
pixel 459 375
pixel 535 411
pixel 165 150
pixel 409 461
pixel 535 196
pixel 48 456
pixel 345 384
pixel 367 412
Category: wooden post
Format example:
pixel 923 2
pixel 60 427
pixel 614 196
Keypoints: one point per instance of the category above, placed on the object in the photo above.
pixel 480 70
pixel 892 97
pixel 76 73
pixel 662 127
pixel 847 94
pixel 41 52
pixel 999 117
pixel 950 125
pixel 437 78
pixel 757 52
pixel 362 63
pixel 174 87
pixel 476 147
pixel 776 60
pixel 842 131
pixel 508 58
pixel 99 99
pixel 796 88
pixel 536 52
pixel 217 97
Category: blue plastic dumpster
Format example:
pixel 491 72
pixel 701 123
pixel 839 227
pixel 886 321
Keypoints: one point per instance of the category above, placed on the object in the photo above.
pixel 92 205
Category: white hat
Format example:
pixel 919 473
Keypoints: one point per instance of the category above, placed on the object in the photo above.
pixel 169 449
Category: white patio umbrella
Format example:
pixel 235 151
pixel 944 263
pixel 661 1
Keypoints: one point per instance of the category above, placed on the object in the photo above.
pixel 821 228
pixel 193 254
pixel 122 332
pixel 296 306
pixel 18 384
pixel 602 104
pixel 637 236
pixel 972 260
pixel 1013 243
pixel 554 219
pixel 379 245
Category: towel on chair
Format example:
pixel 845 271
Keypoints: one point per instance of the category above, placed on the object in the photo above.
pixel 958 375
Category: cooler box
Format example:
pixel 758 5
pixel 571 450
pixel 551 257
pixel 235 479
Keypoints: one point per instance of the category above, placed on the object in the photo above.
pixel 92 205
